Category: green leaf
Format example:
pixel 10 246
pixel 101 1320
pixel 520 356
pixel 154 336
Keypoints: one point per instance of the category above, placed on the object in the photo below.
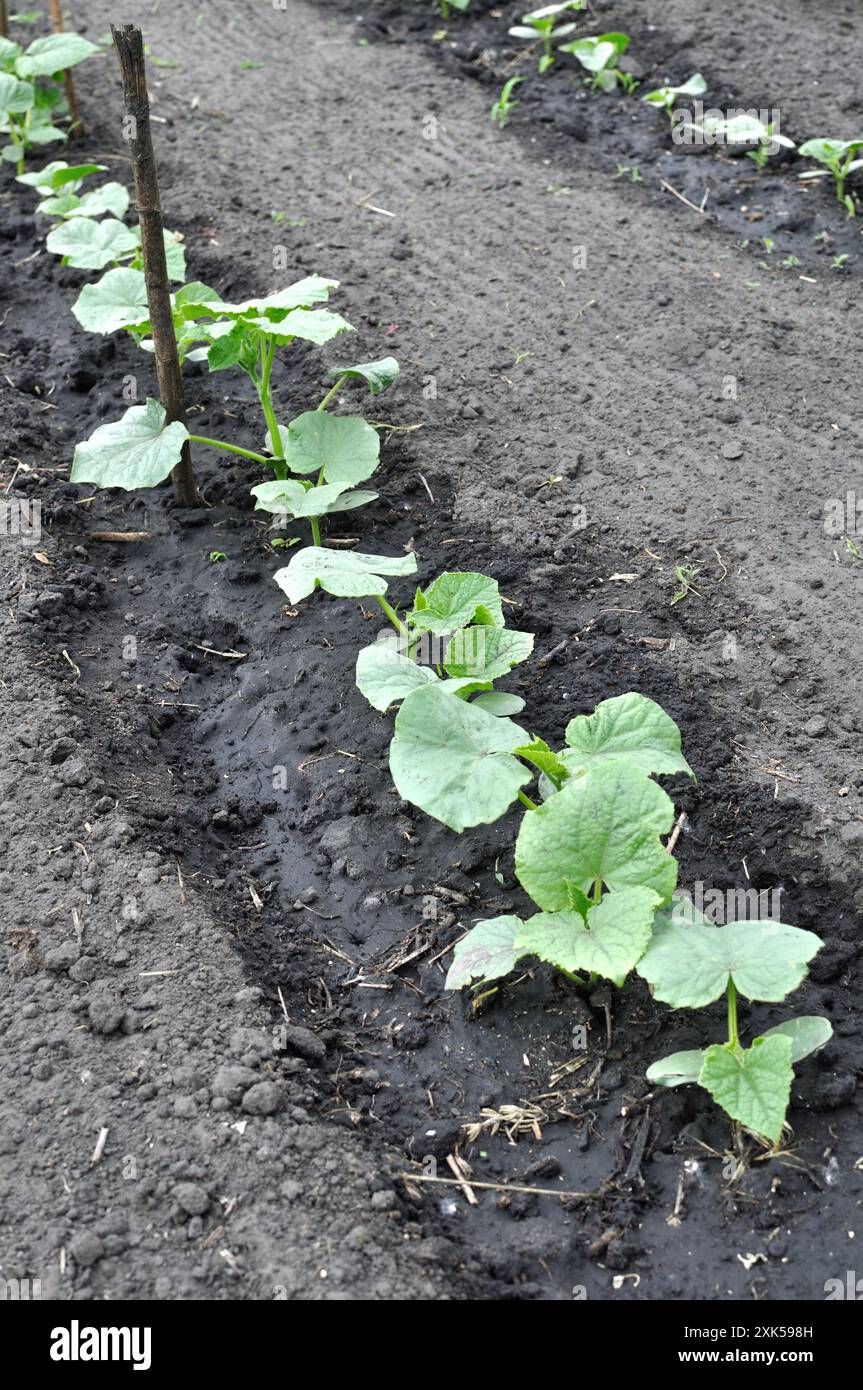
pixel 345 447
pixel 88 244
pixel 609 944
pixel 194 300
pixel 300 500
pixel 690 961
pixel 317 326
pixel 487 952
pixel 486 652
pixel 829 152
pixel 58 174
pixel 385 676
pixel 55 53
pixel 378 375
pixel 547 762
pixel 678 1069
pixel 603 826
pixel 455 599
pixel 139 450
pixel 15 96
pixel 347 574
pixel 455 761
pixel 314 289
pixel 595 53
pixel 118 300
pixel 752 1085
pixel 109 197
pixel 807 1034
pixel 9 51
pixel 499 703
pixel 630 727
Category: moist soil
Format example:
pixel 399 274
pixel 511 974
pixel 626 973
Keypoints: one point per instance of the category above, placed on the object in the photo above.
pixel 226 937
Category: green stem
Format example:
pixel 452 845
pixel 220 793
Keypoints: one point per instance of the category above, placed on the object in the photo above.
pixel 732 1013
pixel 526 801
pixel 576 979
pixel 597 892
pixel 316 530
pixel 229 448
pixel 268 348
pixel 333 392
pixel 392 615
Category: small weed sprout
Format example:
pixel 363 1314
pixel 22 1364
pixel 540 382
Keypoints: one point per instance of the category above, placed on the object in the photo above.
pixel 503 108
pixel 685 574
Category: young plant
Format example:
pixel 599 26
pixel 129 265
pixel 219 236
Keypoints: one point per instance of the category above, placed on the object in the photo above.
pixel 747 129
pixel 87 243
pixel 838 158
pixel 542 25
pixel 28 108
pixel 58 184
pixel 599 55
pixel 666 98
pixel 503 108
pixel 689 963
pixel 141 449
pixel 446 5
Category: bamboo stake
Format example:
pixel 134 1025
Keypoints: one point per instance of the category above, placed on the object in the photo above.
pixel 76 128
pixel 129 43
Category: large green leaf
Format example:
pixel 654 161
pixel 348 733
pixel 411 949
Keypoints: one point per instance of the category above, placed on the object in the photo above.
pixel 138 450
pixel 629 727
pixel 455 761
pixel 317 326
pixel 302 500
pixel 378 376
pixel 347 574
pixel 15 96
pixel 488 952
pixel 344 448
pixel 54 53
pixel 807 1034
pixel 690 961
pixel 609 943
pixel 455 599
pixel 602 826
pixel 385 676
pixel 58 174
pixel 118 300
pixel 109 197
pixel 486 652
pixel 88 244
pixel 753 1085
pixel 314 289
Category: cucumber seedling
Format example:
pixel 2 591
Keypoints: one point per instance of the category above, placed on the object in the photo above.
pixel 141 448
pixel 28 107
pixel 599 55
pixel 542 25
pixel 689 963
pixel 666 98
pixel 839 158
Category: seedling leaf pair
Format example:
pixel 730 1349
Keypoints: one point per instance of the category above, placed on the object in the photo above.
pixel 347 574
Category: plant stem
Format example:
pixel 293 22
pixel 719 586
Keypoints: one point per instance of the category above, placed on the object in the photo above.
pixel 268 348
pixel 229 448
pixel 333 392
pixel 597 892
pixel 316 530
pixel 392 615
pixel 576 979
pixel 526 801
pixel 732 1013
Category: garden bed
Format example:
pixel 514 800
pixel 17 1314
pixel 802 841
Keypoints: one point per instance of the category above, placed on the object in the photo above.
pixel 555 389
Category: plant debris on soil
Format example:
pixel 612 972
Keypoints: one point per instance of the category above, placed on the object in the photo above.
pixel 230 1068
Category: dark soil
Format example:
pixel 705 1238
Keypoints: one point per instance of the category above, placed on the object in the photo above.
pixel 304 930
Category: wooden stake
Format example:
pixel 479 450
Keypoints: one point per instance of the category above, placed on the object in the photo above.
pixel 129 43
pixel 76 128
pixel 4 20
